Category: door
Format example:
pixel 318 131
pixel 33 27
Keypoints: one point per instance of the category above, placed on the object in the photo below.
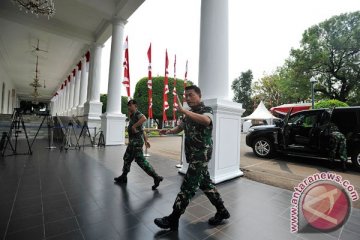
pixel 320 134
pixel 301 126
pixel 285 129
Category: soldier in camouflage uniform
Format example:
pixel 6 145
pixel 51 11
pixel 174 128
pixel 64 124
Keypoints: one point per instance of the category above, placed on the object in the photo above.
pixel 134 149
pixel 197 125
pixel 337 142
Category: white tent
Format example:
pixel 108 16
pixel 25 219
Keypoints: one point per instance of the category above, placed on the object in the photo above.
pixel 260 113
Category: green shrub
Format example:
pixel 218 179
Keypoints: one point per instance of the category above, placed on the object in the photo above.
pixel 330 103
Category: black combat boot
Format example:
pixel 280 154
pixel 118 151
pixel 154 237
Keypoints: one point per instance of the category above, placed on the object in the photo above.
pixel 170 222
pixel 121 179
pixel 220 215
pixel 157 181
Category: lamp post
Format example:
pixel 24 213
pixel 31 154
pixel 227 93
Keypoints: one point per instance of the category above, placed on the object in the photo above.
pixel 312 81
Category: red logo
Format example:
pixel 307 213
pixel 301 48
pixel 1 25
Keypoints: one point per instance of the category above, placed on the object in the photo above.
pixel 325 206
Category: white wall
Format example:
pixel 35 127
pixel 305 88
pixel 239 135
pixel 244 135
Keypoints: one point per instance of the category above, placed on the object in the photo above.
pixel 4 78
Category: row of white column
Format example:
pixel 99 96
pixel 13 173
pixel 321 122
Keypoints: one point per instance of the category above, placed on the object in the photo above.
pixel 213 80
pixel 82 86
pixel 70 99
pixel 80 93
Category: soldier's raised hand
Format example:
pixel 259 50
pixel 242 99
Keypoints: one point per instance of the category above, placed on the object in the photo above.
pixel 179 106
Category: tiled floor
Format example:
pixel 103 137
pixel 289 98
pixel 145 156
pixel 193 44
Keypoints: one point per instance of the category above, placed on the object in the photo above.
pixel 71 195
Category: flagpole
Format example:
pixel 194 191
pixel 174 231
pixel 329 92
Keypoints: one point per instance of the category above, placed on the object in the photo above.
pixel 185 80
pixel 175 95
pixel 149 85
pixel 166 87
pixel 126 66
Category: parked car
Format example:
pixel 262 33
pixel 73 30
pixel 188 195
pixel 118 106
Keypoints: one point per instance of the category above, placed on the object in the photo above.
pixel 307 134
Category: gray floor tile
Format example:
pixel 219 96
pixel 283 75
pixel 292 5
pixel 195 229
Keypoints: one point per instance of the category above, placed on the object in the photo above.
pixel 60 227
pixel 73 192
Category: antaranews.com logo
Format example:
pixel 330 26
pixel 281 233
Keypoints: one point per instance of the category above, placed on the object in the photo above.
pixel 321 201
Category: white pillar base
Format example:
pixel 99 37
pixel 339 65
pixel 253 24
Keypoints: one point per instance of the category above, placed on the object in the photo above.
pixel 92 113
pixel 113 127
pixel 225 161
pixel 80 110
pixel 93 109
pixel 74 111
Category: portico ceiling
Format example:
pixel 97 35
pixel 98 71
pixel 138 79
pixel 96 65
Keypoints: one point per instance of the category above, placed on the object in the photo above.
pixel 66 37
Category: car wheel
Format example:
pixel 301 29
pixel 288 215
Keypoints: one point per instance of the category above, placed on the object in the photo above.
pixel 356 160
pixel 263 147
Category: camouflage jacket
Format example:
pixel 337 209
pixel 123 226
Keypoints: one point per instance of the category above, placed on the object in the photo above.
pixel 138 135
pixel 198 139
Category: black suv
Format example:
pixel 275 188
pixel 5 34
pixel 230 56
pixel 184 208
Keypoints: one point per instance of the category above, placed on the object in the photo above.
pixel 306 134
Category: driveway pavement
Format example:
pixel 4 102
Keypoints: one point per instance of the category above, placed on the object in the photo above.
pixel 282 171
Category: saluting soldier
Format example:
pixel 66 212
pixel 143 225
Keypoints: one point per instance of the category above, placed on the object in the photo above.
pixel 198 125
pixel 134 149
pixel 337 142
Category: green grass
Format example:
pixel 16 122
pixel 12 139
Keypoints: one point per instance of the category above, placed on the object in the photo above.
pixel 151 134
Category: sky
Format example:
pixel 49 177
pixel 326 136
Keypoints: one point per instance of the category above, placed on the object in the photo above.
pixel 261 35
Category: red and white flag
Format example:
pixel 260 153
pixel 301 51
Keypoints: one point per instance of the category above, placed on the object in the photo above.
pixel 166 87
pixel 149 84
pixel 126 65
pixel 185 80
pixel 174 92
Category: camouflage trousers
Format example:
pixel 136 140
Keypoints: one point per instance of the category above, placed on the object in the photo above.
pixel 197 176
pixel 338 143
pixel 135 151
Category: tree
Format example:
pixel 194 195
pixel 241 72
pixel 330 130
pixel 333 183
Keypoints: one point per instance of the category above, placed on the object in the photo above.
pixel 242 91
pixel 329 51
pixel 141 96
pixel 124 107
pixel 293 88
pixel 124 100
pixel 268 90
pixel 329 104
pixel 103 99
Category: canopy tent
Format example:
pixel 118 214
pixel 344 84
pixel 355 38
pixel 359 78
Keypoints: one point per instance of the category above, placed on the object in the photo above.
pixel 283 109
pixel 260 113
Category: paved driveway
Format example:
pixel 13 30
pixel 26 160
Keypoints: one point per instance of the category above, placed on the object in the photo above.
pixel 282 171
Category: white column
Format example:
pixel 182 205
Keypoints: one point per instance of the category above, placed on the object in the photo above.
pixel 83 86
pixel 95 75
pixel 56 104
pixel 52 106
pixel 54 110
pixel 58 108
pixel 62 103
pixel 72 90
pixel 77 91
pixel 113 121
pixel 93 107
pixel 59 101
pixel 214 84
pixel 68 110
pixel 214 32
pixel 67 92
pixel 91 70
